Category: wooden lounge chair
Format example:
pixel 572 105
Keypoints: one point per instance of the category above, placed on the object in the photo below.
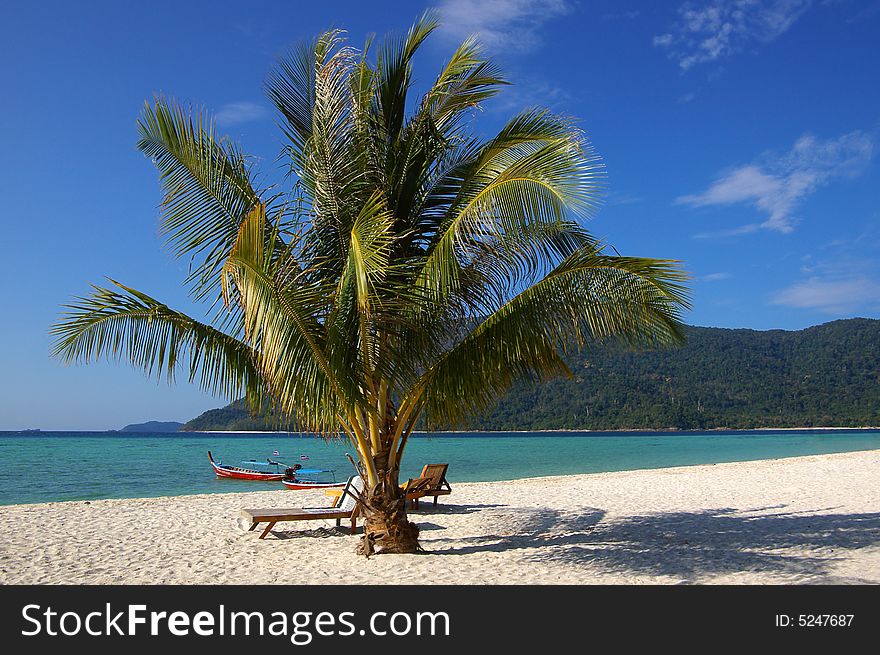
pixel 415 486
pixel 346 507
pixel 411 488
pixel 432 482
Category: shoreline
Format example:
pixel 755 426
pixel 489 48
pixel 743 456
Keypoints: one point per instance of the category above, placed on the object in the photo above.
pixel 800 520
pixel 551 478
pixel 183 470
pixel 861 428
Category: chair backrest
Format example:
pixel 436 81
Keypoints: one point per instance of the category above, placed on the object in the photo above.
pixel 415 485
pixel 437 474
pixel 350 494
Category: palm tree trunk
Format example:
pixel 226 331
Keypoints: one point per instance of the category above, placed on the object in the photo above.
pixel 386 526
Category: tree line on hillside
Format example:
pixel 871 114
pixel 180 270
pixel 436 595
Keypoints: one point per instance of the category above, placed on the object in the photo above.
pixel 827 375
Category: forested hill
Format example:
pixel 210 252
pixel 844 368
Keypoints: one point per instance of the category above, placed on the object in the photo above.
pixel 153 427
pixel 825 375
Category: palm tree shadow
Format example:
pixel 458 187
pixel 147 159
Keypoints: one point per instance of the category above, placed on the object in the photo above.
pixel 688 545
pixel 428 508
pixel 313 533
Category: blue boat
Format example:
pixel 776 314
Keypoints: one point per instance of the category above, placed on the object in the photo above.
pixel 297 477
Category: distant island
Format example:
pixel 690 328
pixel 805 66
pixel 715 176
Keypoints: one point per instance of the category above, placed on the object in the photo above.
pixel 826 375
pixel 153 426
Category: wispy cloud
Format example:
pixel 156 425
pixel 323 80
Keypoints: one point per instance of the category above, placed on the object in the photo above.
pixel 236 113
pixel 832 296
pixel 842 277
pixel 776 184
pixel 620 198
pixel 708 31
pixel 531 93
pixel 632 14
pixel 714 277
pixel 511 25
pixel 865 11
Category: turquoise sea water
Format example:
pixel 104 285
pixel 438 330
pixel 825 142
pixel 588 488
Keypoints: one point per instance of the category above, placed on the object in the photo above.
pixel 54 466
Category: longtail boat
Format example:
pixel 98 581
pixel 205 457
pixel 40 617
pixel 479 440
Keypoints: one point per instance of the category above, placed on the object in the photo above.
pixel 250 470
pixel 296 477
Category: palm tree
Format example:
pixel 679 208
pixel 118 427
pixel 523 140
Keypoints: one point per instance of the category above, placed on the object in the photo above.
pixel 409 270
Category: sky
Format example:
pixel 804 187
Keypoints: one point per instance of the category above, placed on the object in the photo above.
pixel 740 137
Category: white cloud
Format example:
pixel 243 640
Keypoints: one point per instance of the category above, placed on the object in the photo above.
pixel 501 24
pixel 842 277
pixel 618 198
pixel 624 15
pixel 531 93
pixel 832 296
pixel 714 277
pixel 715 29
pixel 776 184
pixel 864 12
pixel 236 113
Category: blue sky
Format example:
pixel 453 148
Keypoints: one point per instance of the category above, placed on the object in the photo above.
pixel 740 136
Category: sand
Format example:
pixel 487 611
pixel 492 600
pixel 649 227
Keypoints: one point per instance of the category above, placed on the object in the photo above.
pixel 804 520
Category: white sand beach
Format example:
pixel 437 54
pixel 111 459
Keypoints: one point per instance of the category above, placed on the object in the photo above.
pixel 805 520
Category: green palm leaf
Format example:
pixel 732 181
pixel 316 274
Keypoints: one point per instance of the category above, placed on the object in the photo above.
pixel 206 185
pixel 127 324
pixel 589 298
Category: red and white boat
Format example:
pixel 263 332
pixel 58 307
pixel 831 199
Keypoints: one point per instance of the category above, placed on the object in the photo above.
pixel 250 470
pixel 299 478
pixel 305 484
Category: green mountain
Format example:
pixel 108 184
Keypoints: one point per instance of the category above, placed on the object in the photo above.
pixel 827 375
pixel 153 426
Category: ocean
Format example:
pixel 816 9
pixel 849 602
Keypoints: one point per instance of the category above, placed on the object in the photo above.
pixel 57 466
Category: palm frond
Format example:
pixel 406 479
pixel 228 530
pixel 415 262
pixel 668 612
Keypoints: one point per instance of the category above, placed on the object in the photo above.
pixel 536 171
pixel 282 323
pixel 206 183
pixel 590 297
pixel 316 90
pixel 394 75
pixel 465 82
pixel 125 324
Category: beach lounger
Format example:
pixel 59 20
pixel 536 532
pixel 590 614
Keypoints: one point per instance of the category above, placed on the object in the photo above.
pixel 432 482
pixel 346 507
pixel 411 488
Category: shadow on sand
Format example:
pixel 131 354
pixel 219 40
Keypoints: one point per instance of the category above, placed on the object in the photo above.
pixel 687 545
pixel 284 532
pixel 426 509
